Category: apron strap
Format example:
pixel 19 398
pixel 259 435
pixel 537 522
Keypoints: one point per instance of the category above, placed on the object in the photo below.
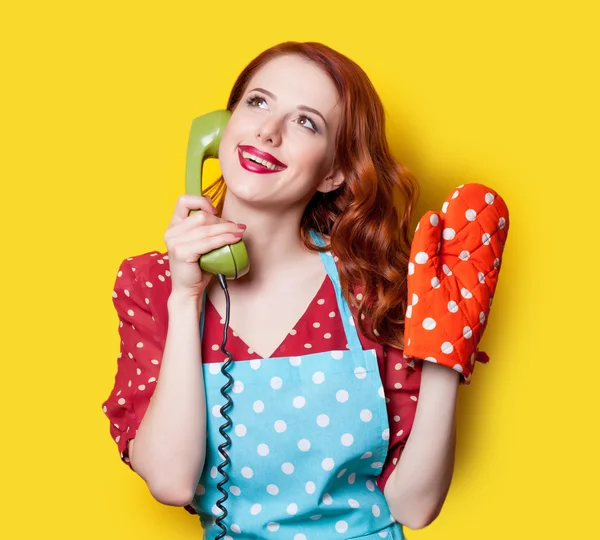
pixel 347 319
pixel 202 315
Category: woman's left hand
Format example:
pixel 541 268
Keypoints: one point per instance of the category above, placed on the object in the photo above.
pixel 454 265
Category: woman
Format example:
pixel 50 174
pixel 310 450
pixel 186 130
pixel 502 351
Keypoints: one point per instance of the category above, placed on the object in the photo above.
pixel 316 451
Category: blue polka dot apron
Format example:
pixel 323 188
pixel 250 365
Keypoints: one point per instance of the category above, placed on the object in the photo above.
pixel 309 436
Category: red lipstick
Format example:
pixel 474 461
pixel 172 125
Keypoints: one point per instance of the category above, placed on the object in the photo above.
pixel 255 167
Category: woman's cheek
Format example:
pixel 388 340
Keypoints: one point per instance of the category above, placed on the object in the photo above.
pixel 312 157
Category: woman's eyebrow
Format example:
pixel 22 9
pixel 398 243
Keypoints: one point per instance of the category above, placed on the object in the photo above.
pixel 270 94
pixel 300 107
pixel 310 109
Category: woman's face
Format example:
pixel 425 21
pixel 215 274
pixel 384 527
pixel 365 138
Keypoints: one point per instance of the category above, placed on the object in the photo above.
pixel 287 120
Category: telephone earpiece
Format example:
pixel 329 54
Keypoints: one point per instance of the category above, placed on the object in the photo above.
pixel 205 136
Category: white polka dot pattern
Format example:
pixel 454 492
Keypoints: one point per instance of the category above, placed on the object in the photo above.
pixel 142 341
pixel 466 242
pixel 316 445
pixel 313 440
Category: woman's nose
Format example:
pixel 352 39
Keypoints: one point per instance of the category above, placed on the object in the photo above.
pixel 270 131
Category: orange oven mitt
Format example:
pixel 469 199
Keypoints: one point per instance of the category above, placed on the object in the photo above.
pixel 452 275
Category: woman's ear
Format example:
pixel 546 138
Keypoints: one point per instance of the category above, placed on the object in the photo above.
pixel 331 182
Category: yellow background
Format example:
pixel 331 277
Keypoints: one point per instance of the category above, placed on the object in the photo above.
pixel 97 100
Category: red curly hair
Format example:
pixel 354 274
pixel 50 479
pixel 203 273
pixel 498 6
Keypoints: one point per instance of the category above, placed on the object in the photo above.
pixel 368 218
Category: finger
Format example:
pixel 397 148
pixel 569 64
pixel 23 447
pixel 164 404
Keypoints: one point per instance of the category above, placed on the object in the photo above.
pixel 176 230
pixel 196 220
pixel 195 224
pixel 199 219
pixel 209 231
pixel 191 251
pixel 191 203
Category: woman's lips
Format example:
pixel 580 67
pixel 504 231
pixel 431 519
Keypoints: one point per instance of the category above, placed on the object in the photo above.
pixel 270 164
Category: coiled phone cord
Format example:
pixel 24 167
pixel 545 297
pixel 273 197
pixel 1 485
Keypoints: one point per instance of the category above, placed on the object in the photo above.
pixel 222 447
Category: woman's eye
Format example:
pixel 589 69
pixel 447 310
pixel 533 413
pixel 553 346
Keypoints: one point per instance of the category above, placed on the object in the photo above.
pixel 308 123
pixel 256 101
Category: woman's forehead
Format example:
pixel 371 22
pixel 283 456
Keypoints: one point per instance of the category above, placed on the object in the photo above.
pixel 295 81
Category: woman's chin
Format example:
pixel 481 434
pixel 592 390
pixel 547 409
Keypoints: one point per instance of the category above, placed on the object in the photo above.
pixel 248 192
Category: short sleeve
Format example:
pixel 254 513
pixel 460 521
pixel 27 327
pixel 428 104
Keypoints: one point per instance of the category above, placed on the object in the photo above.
pixel 401 383
pixel 139 358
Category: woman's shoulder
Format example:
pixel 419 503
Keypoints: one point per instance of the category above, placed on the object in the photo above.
pixel 144 279
pixel 149 264
pixel 146 267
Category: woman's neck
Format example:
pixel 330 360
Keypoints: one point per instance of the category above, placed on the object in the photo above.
pixel 273 242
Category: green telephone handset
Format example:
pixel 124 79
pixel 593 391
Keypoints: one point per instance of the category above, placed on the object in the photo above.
pixel 205 136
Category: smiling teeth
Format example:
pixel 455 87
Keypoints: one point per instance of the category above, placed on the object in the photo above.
pixel 264 162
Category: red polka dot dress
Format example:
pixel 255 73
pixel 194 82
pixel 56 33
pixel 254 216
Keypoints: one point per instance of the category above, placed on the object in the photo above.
pixel 140 295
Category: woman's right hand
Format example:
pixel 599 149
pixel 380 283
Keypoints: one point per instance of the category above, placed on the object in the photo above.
pixel 188 237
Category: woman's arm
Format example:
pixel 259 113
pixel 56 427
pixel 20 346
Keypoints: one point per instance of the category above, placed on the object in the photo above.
pixel 170 443
pixel 417 487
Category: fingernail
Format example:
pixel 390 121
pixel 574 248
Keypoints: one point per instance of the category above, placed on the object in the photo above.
pixel 238 234
pixel 242 226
